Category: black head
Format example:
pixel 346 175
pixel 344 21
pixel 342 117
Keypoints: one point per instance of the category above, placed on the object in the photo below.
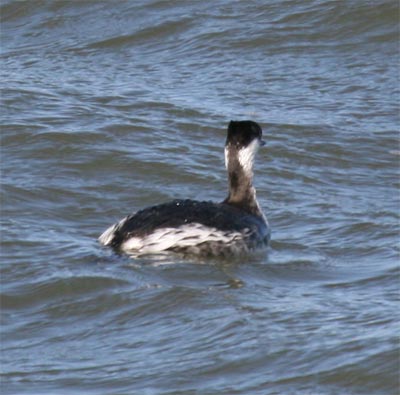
pixel 242 133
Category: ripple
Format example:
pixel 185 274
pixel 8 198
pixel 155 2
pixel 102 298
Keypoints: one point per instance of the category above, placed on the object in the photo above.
pixel 110 109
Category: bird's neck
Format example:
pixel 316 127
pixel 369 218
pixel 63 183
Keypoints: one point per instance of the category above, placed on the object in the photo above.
pixel 239 164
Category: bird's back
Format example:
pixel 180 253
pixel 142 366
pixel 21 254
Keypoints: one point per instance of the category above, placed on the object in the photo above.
pixel 187 221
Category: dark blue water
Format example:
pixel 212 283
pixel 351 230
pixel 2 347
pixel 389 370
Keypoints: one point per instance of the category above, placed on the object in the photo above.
pixel 111 107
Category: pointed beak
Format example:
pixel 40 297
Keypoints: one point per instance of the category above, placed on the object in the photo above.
pixel 262 143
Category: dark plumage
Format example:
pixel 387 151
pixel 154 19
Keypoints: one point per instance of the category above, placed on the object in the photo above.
pixel 233 226
pixel 221 216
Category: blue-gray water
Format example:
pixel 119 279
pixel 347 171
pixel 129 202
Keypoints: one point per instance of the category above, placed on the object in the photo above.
pixel 108 107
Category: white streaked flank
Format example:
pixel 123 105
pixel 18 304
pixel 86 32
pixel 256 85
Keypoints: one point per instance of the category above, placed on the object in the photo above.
pixel 107 236
pixel 185 236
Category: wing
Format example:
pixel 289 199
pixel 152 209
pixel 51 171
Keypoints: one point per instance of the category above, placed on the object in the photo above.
pixel 174 214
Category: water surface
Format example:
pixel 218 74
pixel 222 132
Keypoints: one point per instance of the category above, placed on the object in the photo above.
pixel 107 108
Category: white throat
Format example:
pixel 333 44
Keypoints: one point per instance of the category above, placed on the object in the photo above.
pixel 245 157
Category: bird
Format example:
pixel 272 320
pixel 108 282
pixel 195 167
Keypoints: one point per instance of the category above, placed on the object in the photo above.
pixel 233 227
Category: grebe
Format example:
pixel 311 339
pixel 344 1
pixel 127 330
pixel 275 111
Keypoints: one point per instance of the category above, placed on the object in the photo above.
pixel 233 227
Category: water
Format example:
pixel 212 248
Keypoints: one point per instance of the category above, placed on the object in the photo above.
pixel 110 107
